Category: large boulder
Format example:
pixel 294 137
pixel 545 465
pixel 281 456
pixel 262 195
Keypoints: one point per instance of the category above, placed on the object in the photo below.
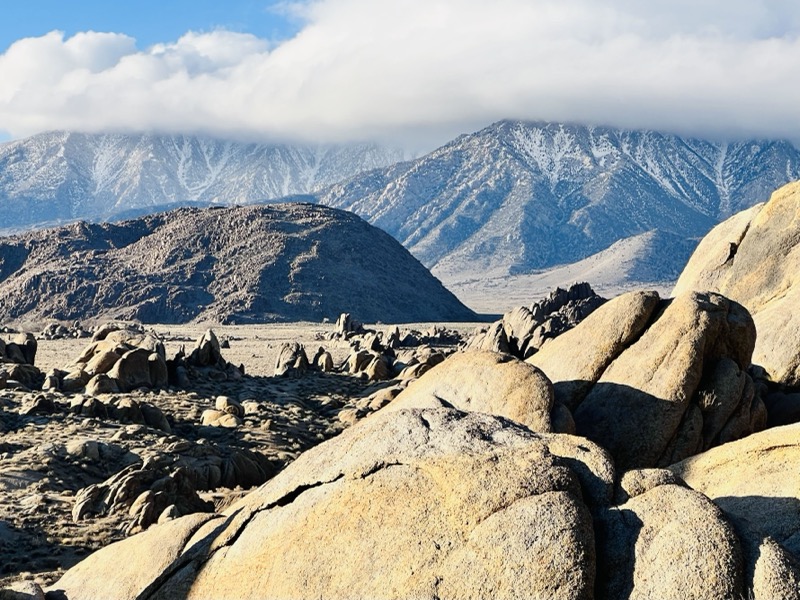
pixel 438 503
pixel 657 381
pixel 755 482
pixel 411 504
pixel 669 543
pixel 488 382
pixel 754 259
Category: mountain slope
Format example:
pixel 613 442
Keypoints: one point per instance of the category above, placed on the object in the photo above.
pixel 519 197
pixel 653 259
pixel 291 261
pixel 60 176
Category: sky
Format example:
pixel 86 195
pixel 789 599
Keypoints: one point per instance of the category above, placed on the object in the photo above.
pixel 412 72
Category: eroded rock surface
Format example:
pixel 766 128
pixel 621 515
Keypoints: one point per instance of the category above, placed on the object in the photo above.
pixel 754 259
pixel 657 381
pixel 755 484
pixel 488 382
pixel 432 503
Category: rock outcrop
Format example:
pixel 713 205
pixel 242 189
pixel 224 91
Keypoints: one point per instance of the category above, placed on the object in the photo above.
pixel 438 503
pixel 433 503
pixel 118 359
pixel 754 259
pixel 754 482
pixel 523 330
pixel 243 264
pixel 657 381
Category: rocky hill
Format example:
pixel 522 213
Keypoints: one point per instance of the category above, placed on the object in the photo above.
pixel 291 261
pixel 519 197
pixel 516 198
pixel 63 176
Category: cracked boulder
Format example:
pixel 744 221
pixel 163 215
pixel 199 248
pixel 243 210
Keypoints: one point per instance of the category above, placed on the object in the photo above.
pixel 417 503
pixel 754 259
pixel 656 381
pixel 489 382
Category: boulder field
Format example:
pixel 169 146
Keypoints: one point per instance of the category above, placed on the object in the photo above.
pixel 470 483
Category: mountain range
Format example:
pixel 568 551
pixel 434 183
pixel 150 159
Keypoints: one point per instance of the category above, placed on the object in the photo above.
pixel 61 176
pixel 513 200
pixel 520 197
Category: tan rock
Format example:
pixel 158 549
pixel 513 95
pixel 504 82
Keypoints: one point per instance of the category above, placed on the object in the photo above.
pixel 101 384
pixel 669 543
pixel 754 259
pixel 654 383
pixel 132 370
pixel 488 382
pixel 134 575
pixel 218 418
pixel 577 358
pixel 378 369
pixel 75 381
pixel 101 362
pixel 228 405
pixel 419 504
pixel 754 482
pixel 157 366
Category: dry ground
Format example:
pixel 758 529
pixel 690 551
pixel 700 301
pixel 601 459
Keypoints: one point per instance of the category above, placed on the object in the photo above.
pixel 41 473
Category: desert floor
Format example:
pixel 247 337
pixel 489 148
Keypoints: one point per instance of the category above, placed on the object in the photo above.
pixel 48 457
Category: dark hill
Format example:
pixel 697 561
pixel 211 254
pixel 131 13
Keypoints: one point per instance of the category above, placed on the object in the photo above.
pixel 277 262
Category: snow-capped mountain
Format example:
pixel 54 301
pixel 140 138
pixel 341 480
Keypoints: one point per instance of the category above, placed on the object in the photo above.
pixel 521 197
pixel 514 199
pixel 61 176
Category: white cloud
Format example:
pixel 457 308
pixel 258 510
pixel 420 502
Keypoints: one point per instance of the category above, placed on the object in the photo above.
pixel 425 70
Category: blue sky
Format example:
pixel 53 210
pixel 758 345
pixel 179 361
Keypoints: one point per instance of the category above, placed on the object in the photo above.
pixel 415 72
pixel 149 21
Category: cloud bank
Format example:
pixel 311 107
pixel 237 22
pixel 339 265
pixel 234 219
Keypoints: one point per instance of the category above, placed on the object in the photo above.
pixel 422 71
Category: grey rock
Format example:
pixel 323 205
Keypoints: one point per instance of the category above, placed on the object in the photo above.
pixel 188 265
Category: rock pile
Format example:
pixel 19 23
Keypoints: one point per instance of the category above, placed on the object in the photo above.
pixel 79 471
pixel 119 359
pixel 59 331
pixel 17 358
pixel 657 381
pixel 523 330
pixel 374 355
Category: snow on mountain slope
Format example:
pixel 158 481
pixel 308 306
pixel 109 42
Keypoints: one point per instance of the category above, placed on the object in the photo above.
pixel 519 197
pixel 64 176
pixel 514 198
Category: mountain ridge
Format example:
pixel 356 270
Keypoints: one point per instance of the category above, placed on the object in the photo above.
pixel 513 198
pixel 64 176
pixel 517 197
